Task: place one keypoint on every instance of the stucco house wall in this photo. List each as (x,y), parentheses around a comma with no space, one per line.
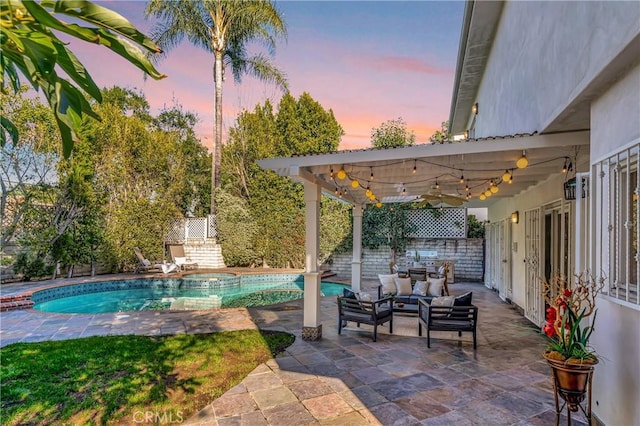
(615,123)
(543,57)
(544,193)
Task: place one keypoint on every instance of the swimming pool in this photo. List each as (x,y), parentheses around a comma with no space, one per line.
(197,291)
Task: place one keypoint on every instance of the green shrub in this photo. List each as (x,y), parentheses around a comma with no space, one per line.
(32,265)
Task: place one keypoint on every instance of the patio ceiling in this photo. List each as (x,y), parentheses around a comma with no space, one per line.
(479,161)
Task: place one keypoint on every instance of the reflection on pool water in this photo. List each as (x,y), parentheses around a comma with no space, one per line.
(197,291)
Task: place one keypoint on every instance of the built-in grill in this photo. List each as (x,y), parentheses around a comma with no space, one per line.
(429,259)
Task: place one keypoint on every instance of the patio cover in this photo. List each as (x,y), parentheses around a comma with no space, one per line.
(478,161)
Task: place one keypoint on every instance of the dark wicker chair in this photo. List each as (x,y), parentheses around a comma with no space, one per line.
(447,318)
(361,312)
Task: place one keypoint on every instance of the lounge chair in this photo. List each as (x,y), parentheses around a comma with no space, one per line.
(176,251)
(145,265)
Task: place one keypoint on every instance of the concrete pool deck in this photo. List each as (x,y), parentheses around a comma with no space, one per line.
(348,379)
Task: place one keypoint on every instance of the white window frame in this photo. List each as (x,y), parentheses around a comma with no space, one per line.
(613,255)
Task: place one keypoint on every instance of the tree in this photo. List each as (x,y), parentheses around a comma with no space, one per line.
(275,203)
(30,47)
(442,135)
(475,228)
(223,28)
(388,225)
(392,133)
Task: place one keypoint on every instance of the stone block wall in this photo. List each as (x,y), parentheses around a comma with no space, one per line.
(468,253)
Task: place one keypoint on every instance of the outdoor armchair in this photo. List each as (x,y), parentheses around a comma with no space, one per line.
(360,311)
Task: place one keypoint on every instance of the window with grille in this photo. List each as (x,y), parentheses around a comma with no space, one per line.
(616,255)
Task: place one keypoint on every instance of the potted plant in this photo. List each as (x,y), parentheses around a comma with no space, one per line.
(416,259)
(569,354)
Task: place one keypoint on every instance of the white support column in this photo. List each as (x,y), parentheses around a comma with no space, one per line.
(356,263)
(312,327)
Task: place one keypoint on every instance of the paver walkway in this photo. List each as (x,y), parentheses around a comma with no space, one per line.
(348,379)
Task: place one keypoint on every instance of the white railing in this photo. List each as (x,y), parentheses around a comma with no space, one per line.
(192,228)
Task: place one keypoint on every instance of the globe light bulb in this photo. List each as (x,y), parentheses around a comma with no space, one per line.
(355,184)
(482,197)
(506,177)
(494,189)
(341,174)
(378,204)
(522,161)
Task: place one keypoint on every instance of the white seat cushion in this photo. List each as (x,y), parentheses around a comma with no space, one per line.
(435,286)
(403,285)
(421,288)
(388,285)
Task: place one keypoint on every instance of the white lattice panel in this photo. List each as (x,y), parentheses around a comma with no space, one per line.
(176,234)
(436,223)
(196,228)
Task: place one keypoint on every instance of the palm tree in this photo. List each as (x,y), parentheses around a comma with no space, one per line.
(224,28)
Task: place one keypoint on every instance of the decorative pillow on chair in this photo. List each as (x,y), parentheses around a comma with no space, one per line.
(420,288)
(348,293)
(388,285)
(403,285)
(436,286)
(364,297)
(442,301)
(463,299)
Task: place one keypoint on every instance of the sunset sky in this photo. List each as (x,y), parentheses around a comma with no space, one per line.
(367,61)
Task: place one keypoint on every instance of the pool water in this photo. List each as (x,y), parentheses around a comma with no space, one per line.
(183,296)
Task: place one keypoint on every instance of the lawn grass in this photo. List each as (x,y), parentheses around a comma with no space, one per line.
(120,379)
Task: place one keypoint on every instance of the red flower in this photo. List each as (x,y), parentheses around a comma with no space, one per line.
(551,314)
(549,331)
(567,293)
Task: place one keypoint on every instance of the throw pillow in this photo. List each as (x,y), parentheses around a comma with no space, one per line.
(463,299)
(442,301)
(420,288)
(388,285)
(364,297)
(436,286)
(403,285)
(348,293)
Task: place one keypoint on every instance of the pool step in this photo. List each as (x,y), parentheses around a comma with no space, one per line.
(328,273)
(12,303)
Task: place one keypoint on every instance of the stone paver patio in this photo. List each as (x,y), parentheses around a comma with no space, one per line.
(349,379)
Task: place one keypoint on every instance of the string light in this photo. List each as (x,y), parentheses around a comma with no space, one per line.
(378,204)
(414,167)
(466,188)
(506,177)
(404,190)
(482,197)
(371,177)
(522,161)
(487,193)
(495,189)
(461,178)
(437,186)
(355,184)
(341,174)
(368,192)
(331,174)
